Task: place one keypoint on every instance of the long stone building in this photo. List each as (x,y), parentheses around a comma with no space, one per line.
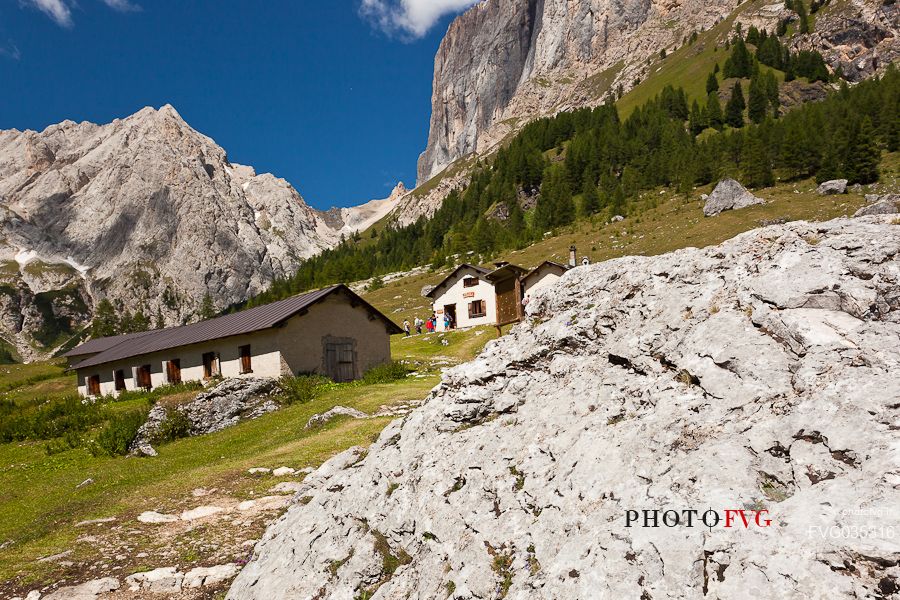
(332,332)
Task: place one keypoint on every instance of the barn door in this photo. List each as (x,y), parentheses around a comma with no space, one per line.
(340,360)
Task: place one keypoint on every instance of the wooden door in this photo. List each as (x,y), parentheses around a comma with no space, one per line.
(173,371)
(340,361)
(507,302)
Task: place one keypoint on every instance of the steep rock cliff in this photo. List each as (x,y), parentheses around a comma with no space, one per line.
(506,62)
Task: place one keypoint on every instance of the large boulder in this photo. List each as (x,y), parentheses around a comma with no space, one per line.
(229,402)
(221,406)
(830,188)
(888,204)
(757,377)
(729,195)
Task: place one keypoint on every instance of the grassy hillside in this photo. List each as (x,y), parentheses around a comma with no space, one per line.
(668,222)
(42,504)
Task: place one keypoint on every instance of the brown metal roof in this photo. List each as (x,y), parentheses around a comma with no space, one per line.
(547,262)
(481,270)
(248,321)
(102,344)
(505,272)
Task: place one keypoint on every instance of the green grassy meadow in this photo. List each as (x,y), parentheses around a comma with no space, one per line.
(42,503)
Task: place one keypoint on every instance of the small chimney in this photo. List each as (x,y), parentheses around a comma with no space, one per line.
(573,261)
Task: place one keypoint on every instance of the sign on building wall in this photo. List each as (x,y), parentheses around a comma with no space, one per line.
(469,295)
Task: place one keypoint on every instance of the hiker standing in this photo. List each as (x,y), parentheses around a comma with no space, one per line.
(419,322)
(406,327)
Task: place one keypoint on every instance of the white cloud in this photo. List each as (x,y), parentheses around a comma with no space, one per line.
(57,10)
(410,17)
(10,50)
(122,5)
(61,10)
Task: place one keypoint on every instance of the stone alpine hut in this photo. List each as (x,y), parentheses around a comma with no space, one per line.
(332,332)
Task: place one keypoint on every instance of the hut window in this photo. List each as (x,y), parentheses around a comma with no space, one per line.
(477,309)
(470,282)
(210,365)
(119,379)
(93,385)
(143,377)
(246,364)
(173,371)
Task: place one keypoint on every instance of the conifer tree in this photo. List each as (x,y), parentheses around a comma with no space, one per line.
(799,157)
(802,15)
(712,83)
(756,106)
(740,63)
(140,321)
(207,309)
(734,109)
(516,220)
(890,124)
(753,35)
(714,115)
(862,153)
(590,198)
(756,166)
(160,321)
(771,85)
(698,120)
(105,323)
(617,202)
(831,167)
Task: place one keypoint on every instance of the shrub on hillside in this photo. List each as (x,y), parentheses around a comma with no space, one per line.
(52,419)
(386,373)
(120,431)
(301,389)
(159,392)
(176,426)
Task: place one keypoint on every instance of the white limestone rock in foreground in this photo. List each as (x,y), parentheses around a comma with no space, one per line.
(758,374)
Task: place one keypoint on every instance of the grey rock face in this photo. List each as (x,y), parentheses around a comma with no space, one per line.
(729,195)
(759,374)
(229,402)
(506,62)
(835,186)
(226,404)
(322,418)
(86,591)
(888,204)
(149,213)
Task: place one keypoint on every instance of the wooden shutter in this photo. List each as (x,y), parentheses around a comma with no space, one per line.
(246,363)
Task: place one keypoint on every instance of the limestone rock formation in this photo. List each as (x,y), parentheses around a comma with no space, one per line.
(729,195)
(147,212)
(835,186)
(506,62)
(757,375)
(221,406)
(888,204)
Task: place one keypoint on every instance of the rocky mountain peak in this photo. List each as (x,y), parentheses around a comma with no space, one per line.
(152,213)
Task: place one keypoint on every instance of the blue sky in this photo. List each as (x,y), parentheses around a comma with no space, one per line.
(332,95)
